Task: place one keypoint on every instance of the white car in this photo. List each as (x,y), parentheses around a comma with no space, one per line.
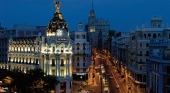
(117,86)
(110,76)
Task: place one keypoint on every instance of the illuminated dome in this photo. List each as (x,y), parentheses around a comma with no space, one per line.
(57,22)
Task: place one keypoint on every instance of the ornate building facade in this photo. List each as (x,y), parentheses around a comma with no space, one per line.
(52,53)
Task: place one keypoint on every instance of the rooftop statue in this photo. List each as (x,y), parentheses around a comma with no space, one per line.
(57,5)
(57,21)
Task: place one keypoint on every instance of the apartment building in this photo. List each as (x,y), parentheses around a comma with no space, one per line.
(140,47)
(81,54)
(158,65)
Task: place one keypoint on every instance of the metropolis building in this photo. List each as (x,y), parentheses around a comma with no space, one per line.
(52,53)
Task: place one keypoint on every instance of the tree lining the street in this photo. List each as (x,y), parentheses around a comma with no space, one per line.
(34,80)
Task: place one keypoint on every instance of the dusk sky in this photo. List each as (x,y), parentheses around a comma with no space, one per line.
(124,15)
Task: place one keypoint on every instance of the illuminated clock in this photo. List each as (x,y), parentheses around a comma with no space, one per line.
(59,32)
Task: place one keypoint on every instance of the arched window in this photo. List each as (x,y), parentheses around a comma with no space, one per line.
(144,35)
(78,44)
(62,49)
(154,35)
(133,38)
(149,35)
(53,48)
(62,62)
(159,35)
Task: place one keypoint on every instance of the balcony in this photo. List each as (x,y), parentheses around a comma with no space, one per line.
(146,54)
(140,62)
(158,42)
(139,54)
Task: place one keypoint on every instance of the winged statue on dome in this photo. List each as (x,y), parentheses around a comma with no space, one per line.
(57,5)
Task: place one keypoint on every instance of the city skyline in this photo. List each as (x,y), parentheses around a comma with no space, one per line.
(124,15)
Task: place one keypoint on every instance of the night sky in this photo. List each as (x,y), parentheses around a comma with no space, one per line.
(124,15)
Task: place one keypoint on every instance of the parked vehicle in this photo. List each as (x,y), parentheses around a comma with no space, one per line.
(117,86)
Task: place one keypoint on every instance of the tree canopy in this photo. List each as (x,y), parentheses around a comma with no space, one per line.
(34,80)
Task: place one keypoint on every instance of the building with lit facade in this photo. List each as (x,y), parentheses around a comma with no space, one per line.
(18,30)
(95,25)
(81,54)
(52,53)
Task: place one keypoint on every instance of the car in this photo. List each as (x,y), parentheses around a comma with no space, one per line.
(110,76)
(117,86)
(107,74)
(106,84)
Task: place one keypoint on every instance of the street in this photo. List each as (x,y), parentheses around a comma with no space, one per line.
(99,61)
(116,78)
(109,69)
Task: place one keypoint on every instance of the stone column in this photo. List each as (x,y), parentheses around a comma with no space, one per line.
(58,66)
(67,67)
(41,63)
(57,71)
(44,66)
(57,88)
(68,86)
(47,64)
(70,67)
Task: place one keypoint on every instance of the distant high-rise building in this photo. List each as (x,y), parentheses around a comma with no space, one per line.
(95,25)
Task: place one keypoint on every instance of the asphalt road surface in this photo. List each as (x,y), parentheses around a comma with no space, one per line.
(116,80)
